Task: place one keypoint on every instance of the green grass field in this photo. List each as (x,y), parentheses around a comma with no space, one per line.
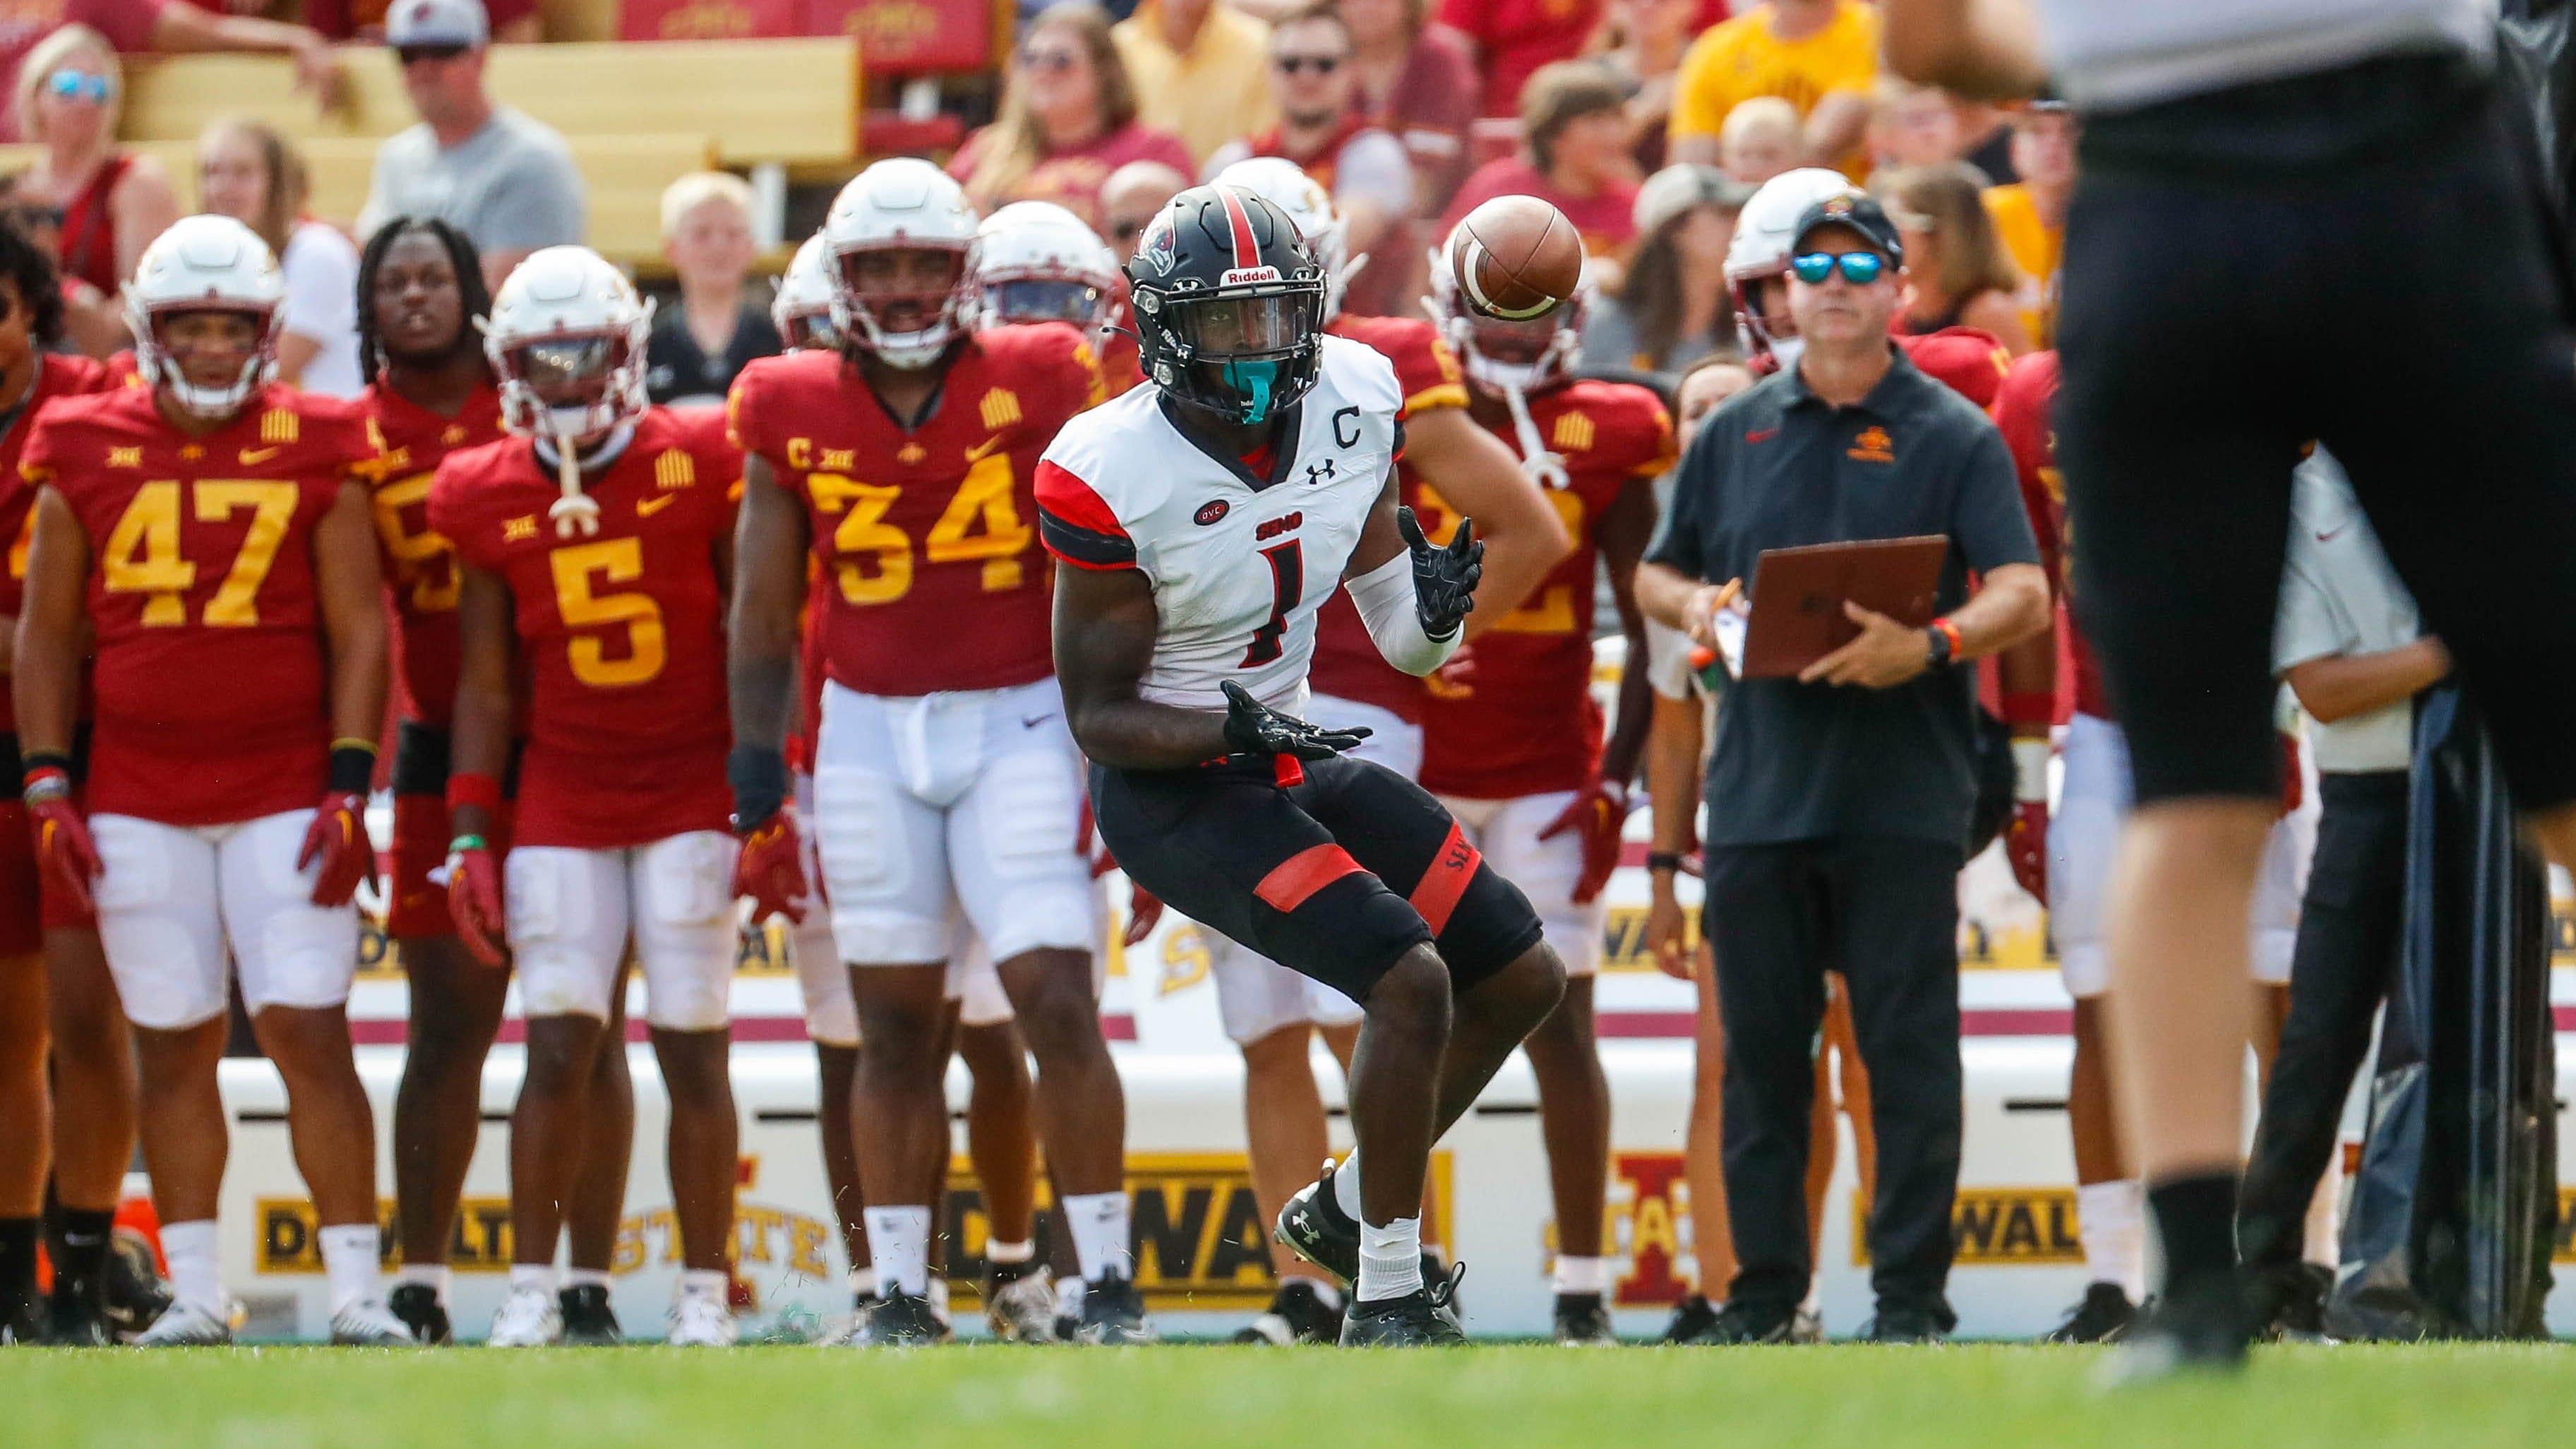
(1226,1398)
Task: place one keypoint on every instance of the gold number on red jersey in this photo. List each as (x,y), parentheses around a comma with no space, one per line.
(862,531)
(984,497)
(1551,609)
(142,554)
(272,505)
(423,561)
(26,541)
(616,560)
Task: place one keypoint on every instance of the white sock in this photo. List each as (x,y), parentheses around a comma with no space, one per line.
(1068,1295)
(436,1277)
(1390,1259)
(350,1258)
(2323,1239)
(585,1278)
(1582,1275)
(194,1273)
(705,1283)
(1099,1224)
(540,1276)
(1001,1253)
(1346,1186)
(939,1297)
(863,1282)
(899,1242)
(2110,1221)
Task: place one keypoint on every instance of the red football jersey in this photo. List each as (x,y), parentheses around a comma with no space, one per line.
(1521,720)
(928,538)
(57,375)
(2022,411)
(212,697)
(622,631)
(1347,664)
(420,568)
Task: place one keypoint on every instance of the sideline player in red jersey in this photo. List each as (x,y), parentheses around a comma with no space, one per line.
(210,532)
(945,779)
(1512,739)
(1449,463)
(420,292)
(83,1135)
(596,543)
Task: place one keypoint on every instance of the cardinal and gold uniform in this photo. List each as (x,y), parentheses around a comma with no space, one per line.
(622,819)
(212,735)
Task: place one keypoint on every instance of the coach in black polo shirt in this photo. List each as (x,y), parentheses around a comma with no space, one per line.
(1838,803)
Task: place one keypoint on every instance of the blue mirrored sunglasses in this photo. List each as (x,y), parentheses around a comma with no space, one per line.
(73,85)
(1859,268)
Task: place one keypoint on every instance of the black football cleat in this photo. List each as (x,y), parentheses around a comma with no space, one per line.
(2290,1303)
(417,1305)
(1313,1225)
(588,1321)
(79,1320)
(1738,1324)
(2103,1316)
(23,1318)
(1693,1319)
(1113,1313)
(1297,1314)
(1583,1320)
(1906,1323)
(133,1293)
(903,1320)
(2198,1326)
(1419,1319)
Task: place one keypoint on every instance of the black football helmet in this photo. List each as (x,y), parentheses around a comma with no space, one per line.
(1229,304)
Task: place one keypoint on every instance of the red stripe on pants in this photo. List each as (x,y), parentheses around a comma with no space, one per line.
(1452,866)
(1297,878)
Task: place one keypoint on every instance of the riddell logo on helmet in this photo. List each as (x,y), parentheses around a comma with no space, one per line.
(1251,274)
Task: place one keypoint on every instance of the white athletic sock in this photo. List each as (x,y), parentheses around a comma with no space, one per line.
(1582,1275)
(540,1276)
(2323,1240)
(1346,1186)
(899,1242)
(1069,1293)
(2110,1221)
(436,1277)
(195,1274)
(1002,1254)
(1390,1259)
(704,1283)
(1099,1224)
(939,1296)
(350,1254)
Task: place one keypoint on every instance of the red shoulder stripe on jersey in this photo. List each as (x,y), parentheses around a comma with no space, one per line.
(1247,251)
(1295,880)
(1077,524)
(1445,880)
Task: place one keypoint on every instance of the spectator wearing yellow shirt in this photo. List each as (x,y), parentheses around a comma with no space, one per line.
(2031,213)
(1202,71)
(1820,56)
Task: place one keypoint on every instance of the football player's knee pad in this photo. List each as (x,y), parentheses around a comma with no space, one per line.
(831,1013)
(684,935)
(568,917)
(1028,810)
(885,868)
(160,923)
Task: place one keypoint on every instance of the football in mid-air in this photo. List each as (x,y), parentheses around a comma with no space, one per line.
(1516,258)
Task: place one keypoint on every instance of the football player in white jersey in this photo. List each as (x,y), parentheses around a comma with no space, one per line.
(1203,521)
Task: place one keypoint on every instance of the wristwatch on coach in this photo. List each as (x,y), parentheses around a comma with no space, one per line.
(1943,638)
(1663,860)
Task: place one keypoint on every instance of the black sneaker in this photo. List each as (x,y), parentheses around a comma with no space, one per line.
(2197,1326)
(1113,1313)
(902,1320)
(417,1305)
(1583,1319)
(1693,1319)
(79,1319)
(2290,1303)
(2103,1316)
(1753,1323)
(133,1294)
(22,1318)
(1297,1314)
(1419,1319)
(1905,1323)
(588,1321)
(1313,1225)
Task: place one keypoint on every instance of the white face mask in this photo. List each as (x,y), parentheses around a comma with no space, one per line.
(1787,350)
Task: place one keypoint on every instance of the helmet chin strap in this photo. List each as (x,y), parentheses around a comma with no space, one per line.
(575,512)
(1544,468)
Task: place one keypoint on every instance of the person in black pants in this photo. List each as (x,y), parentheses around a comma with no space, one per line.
(1839,801)
(2350,646)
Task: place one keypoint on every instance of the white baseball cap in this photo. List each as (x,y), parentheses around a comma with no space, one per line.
(437,22)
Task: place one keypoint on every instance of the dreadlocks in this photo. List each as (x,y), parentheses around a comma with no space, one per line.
(31,267)
(460,254)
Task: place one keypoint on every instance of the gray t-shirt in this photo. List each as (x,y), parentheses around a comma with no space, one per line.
(2339,596)
(510,187)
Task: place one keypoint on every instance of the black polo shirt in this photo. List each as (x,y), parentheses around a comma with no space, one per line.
(1778,467)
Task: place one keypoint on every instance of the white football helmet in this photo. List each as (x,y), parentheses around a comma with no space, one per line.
(567,339)
(902,203)
(205,264)
(1285,185)
(802,308)
(1764,232)
(1039,263)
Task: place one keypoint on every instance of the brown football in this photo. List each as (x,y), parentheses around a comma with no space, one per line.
(1515,258)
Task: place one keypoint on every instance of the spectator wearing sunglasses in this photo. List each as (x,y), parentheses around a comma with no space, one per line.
(1359,162)
(1201,69)
(1130,198)
(1068,120)
(112,202)
(1839,799)
(247,171)
(133,26)
(505,180)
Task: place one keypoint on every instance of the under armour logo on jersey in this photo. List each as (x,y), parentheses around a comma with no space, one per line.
(1319,472)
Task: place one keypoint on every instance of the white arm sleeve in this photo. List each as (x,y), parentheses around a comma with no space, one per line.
(1385,598)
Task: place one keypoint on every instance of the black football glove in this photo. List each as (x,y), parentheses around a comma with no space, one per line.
(1444,579)
(1254,728)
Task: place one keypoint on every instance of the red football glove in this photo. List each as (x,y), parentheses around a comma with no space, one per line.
(338,838)
(1144,911)
(1600,811)
(474,900)
(2294,790)
(771,869)
(64,852)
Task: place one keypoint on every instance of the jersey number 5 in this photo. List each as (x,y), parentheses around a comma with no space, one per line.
(142,554)
(618,560)
(1287,586)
